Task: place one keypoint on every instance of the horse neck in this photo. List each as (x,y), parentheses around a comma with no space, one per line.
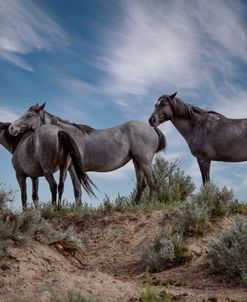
(8,141)
(47,118)
(184,126)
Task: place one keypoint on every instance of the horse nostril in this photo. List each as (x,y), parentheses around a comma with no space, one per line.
(152,121)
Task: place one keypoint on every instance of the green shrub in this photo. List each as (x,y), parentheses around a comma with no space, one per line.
(166,250)
(172,187)
(172,184)
(6,197)
(239,207)
(192,218)
(208,204)
(71,296)
(149,294)
(218,201)
(228,253)
(46,210)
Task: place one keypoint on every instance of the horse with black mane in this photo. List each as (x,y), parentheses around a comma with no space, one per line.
(210,135)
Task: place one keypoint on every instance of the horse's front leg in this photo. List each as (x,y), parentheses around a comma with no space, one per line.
(35,189)
(23,187)
(204,165)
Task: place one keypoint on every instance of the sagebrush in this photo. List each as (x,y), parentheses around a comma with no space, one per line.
(165,250)
(228,253)
(208,204)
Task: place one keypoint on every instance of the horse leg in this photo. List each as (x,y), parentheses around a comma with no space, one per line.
(23,187)
(53,186)
(35,196)
(62,177)
(76,186)
(151,181)
(204,165)
(140,178)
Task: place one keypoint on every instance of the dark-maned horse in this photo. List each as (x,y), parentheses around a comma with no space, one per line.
(210,135)
(41,153)
(108,149)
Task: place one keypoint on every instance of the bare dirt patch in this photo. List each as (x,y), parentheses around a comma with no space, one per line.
(111,269)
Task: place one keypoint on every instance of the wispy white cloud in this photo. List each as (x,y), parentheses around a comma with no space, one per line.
(7,115)
(234,103)
(26,28)
(173,44)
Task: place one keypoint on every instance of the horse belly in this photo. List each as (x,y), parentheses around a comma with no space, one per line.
(232,153)
(105,159)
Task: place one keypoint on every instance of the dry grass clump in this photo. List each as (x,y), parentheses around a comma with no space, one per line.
(29,225)
(228,253)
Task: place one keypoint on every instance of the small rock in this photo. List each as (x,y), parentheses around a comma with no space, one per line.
(4,267)
(196,251)
(212,299)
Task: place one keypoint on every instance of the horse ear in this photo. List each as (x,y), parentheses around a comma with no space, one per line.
(37,108)
(172,96)
(42,106)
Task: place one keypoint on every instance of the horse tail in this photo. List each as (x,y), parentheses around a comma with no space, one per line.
(70,145)
(162,140)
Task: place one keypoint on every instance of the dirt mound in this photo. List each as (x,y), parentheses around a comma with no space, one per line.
(111,269)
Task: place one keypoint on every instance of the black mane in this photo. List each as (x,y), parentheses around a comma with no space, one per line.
(183,110)
(83,128)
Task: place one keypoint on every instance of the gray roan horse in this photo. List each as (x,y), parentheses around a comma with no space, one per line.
(40,153)
(210,135)
(108,149)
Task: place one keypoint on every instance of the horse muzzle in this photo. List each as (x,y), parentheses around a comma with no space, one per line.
(14,130)
(153,121)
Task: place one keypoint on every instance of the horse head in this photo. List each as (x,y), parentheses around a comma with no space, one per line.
(31,119)
(163,110)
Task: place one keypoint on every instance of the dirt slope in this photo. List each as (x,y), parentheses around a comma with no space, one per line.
(112,270)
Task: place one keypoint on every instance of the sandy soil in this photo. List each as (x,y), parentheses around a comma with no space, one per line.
(111,268)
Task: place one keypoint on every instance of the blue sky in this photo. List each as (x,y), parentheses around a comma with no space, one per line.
(106,62)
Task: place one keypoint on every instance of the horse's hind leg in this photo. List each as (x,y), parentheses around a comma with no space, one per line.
(204,165)
(53,186)
(148,172)
(140,178)
(35,189)
(76,186)
(62,177)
